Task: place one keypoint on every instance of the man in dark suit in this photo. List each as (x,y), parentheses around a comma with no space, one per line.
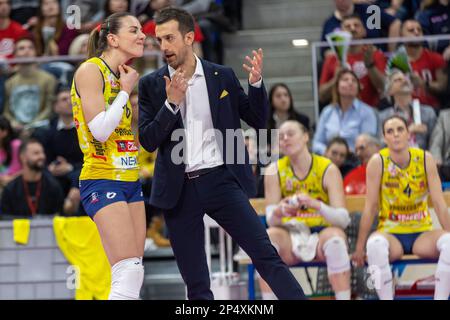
(208,171)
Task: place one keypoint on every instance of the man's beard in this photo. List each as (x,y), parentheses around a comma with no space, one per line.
(37,166)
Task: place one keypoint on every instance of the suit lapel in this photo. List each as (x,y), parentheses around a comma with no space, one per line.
(212,78)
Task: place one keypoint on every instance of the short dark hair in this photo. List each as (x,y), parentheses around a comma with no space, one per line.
(24,38)
(338,140)
(395,116)
(24,145)
(185,19)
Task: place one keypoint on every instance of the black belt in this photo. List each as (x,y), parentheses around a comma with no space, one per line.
(201,172)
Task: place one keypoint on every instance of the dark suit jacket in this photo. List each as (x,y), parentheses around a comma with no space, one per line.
(157,123)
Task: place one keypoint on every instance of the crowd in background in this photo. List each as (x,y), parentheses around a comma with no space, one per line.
(39,155)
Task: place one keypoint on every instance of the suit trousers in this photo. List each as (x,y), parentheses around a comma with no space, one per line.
(219,195)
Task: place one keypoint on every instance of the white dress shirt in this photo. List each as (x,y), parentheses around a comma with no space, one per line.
(202,149)
(201,144)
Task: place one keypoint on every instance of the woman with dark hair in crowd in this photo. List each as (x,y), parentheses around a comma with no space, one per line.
(282,107)
(9,152)
(52,36)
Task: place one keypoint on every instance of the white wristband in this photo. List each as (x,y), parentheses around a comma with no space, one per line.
(104,123)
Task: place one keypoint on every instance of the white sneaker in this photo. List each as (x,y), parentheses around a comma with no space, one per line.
(149,245)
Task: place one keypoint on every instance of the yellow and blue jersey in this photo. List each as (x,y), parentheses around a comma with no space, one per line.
(404,195)
(116,158)
(312,185)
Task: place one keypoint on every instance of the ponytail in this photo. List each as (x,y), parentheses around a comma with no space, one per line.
(93,41)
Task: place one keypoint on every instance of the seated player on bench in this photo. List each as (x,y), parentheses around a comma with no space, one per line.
(399,179)
(305,209)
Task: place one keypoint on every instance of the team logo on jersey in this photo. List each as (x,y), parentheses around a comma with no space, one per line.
(94,197)
(111,195)
(126,146)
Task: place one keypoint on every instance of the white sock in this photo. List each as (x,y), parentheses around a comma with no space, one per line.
(442,276)
(266,295)
(343,295)
(379,267)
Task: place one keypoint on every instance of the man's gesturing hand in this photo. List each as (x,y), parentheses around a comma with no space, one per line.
(255,71)
(176,88)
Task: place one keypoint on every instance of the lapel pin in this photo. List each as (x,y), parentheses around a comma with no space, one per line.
(215,73)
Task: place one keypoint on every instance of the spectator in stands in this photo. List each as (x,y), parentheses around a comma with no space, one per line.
(208,20)
(30,92)
(149,27)
(367,62)
(440,144)
(397,8)
(390,26)
(347,116)
(51,34)
(338,152)
(400,181)
(79,45)
(115,6)
(34,191)
(9,153)
(400,88)
(10,30)
(25,12)
(233,10)
(63,154)
(435,20)
(281,104)
(366,146)
(306,211)
(428,75)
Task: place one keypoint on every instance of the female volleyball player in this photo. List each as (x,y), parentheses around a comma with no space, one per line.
(306,190)
(399,179)
(110,191)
